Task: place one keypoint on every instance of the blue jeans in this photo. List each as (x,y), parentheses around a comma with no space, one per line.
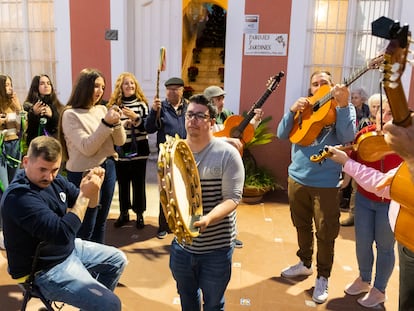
(94,223)
(372,225)
(195,273)
(72,281)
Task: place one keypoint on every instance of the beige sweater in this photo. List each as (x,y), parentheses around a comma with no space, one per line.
(89,142)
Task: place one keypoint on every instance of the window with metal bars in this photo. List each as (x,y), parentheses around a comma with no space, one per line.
(27,37)
(341,41)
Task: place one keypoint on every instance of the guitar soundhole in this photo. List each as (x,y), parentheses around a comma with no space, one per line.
(316,106)
(235,133)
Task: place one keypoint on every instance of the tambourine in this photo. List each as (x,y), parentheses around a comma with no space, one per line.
(180,189)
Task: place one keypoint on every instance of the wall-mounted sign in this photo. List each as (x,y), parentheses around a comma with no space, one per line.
(265,44)
(251,23)
(111,34)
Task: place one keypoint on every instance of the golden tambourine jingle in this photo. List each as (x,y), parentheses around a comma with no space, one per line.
(180,189)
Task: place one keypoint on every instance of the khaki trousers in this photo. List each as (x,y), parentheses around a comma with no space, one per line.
(315,210)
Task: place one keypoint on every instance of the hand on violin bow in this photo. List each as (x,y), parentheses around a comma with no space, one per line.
(338,155)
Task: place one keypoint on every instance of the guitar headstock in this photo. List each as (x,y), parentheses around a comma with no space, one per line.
(273,82)
(396,54)
(376,62)
(395,58)
(321,156)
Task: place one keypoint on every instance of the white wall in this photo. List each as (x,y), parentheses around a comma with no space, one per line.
(63,83)
(297,49)
(234,53)
(119,61)
(157,23)
(407,17)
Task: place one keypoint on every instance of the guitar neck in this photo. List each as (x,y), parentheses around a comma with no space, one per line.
(356,75)
(251,113)
(401,115)
(351,79)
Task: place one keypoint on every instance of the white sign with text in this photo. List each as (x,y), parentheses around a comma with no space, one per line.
(265,44)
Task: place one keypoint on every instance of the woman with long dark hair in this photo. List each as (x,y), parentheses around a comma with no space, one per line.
(88,132)
(43,108)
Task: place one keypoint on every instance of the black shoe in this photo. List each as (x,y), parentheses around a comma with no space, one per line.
(140,221)
(238,243)
(122,220)
(162,234)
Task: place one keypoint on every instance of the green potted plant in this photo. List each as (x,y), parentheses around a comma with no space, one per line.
(258,180)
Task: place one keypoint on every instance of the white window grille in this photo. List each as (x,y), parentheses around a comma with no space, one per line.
(27,37)
(341,41)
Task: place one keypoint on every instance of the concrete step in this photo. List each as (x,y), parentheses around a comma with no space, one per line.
(209,63)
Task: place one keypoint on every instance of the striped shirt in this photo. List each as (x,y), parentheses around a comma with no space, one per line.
(222,176)
(136,145)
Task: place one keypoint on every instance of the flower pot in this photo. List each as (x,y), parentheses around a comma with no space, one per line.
(252,195)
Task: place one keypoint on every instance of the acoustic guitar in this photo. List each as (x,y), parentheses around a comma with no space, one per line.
(395,58)
(307,124)
(240,127)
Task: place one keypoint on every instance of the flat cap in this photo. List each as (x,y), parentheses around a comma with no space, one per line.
(174,81)
(213,91)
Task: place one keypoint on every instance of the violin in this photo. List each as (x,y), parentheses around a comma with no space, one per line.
(369,143)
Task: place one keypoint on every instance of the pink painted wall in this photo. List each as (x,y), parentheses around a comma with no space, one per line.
(89,20)
(273,18)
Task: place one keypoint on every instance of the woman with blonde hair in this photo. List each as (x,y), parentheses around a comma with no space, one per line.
(133,155)
(88,132)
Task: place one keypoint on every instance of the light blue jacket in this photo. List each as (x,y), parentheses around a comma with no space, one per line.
(326,174)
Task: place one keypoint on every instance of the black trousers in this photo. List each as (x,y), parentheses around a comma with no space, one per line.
(132,173)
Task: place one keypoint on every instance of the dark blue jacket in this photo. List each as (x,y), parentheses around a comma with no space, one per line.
(32,215)
(172,122)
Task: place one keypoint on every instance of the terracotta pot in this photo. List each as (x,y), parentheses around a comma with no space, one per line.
(253,195)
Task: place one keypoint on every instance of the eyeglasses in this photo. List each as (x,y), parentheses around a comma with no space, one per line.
(198,116)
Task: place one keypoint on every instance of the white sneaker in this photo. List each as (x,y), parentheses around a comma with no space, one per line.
(320,293)
(297,270)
